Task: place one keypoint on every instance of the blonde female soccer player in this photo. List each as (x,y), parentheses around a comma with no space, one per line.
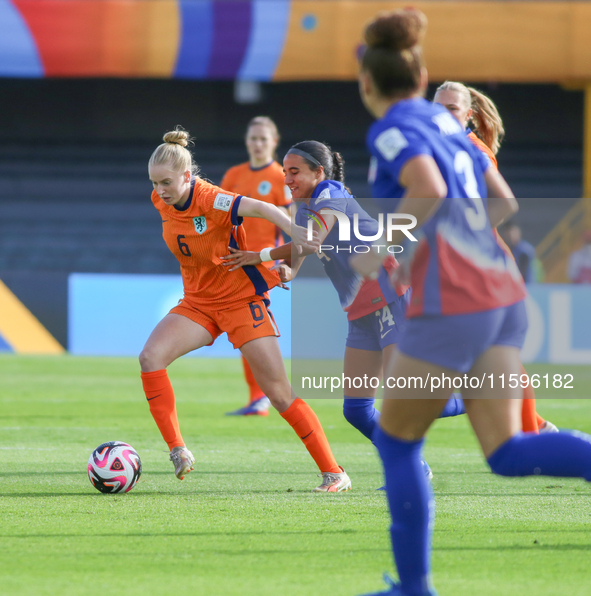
(199,222)
(470,106)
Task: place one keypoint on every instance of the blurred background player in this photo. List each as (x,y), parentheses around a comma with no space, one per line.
(523,252)
(199,222)
(579,262)
(467,312)
(261,177)
(470,106)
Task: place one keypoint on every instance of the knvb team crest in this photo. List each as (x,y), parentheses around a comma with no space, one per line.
(200,224)
(264,188)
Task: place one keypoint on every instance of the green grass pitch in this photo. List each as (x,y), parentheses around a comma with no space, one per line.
(244,523)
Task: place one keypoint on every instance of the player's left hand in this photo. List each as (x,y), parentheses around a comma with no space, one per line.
(240,258)
(366,264)
(284,272)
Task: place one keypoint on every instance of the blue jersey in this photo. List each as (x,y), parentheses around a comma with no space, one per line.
(457,266)
(358,297)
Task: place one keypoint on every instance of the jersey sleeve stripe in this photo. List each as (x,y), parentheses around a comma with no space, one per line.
(236,219)
(258,281)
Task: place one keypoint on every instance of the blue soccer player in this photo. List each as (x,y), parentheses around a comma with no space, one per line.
(467,313)
(375,308)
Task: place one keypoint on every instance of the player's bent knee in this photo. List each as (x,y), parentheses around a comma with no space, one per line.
(280,402)
(149,361)
(505,461)
(358,410)
(353,412)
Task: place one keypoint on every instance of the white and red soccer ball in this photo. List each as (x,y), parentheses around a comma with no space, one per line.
(114,467)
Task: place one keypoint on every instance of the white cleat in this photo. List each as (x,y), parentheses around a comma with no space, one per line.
(333,483)
(183,461)
(548,427)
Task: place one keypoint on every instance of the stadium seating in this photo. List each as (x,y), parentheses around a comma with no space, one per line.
(87,209)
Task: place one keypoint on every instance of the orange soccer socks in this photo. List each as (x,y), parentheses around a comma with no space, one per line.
(160,398)
(304,421)
(529,418)
(529,422)
(255,392)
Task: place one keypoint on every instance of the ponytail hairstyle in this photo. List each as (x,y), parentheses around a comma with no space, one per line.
(173,152)
(331,161)
(393,54)
(485,118)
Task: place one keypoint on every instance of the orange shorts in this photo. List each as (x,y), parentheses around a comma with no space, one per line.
(243,323)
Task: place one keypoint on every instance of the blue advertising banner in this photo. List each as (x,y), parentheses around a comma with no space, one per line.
(113,315)
(559,323)
(559,329)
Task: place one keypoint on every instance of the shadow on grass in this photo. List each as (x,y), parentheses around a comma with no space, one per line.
(160,493)
(517,547)
(544,495)
(171,473)
(274,551)
(526,531)
(246,533)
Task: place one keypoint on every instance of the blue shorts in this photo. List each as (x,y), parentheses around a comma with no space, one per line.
(457,341)
(378,329)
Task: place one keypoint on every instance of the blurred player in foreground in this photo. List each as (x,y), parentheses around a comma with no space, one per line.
(261,177)
(469,105)
(467,313)
(200,221)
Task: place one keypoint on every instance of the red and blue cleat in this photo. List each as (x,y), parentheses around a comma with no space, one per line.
(258,407)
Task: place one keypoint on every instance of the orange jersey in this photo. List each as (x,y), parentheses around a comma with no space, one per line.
(480,144)
(198,235)
(502,243)
(265,184)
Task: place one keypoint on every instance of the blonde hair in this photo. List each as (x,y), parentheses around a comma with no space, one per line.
(173,152)
(485,117)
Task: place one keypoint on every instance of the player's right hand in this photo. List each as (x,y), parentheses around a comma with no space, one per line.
(284,271)
(299,236)
(240,258)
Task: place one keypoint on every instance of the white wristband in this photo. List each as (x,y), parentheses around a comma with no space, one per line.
(265,255)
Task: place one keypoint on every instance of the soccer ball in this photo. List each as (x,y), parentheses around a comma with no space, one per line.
(114,467)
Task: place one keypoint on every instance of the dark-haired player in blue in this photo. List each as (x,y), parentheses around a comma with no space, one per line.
(466,315)
(375,308)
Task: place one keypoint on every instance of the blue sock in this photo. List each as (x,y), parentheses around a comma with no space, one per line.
(453,407)
(361,413)
(556,454)
(412,508)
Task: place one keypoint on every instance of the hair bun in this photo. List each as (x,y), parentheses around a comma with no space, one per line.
(177,137)
(396,30)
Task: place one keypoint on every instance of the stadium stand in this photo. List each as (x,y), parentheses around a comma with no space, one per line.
(87,209)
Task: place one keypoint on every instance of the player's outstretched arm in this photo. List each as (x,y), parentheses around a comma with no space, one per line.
(252,208)
(241,258)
